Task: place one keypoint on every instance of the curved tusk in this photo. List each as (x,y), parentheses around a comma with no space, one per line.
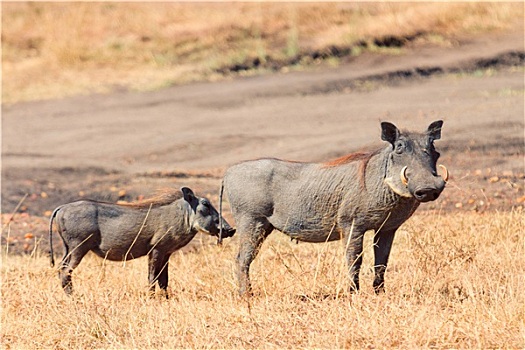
(403,176)
(445,172)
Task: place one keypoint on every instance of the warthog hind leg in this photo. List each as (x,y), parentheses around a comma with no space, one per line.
(69,263)
(252,235)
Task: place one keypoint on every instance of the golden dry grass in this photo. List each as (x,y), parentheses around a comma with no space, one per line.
(56,49)
(455,281)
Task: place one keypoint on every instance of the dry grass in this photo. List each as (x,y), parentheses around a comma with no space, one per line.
(56,49)
(455,281)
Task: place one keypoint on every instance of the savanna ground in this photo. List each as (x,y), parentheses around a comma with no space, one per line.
(101,104)
(455,280)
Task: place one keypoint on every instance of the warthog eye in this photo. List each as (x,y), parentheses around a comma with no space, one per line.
(400,146)
(204,207)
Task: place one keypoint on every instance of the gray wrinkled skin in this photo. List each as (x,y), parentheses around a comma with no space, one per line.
(320,202)
(124,232)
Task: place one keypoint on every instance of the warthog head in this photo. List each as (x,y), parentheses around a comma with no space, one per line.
(412,171)
(204,217)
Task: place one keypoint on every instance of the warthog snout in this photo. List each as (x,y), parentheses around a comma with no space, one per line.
(428,194)
(229,232)
(426,191)
(225,232)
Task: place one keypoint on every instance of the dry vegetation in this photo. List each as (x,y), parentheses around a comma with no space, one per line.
(455,281)
(56,49)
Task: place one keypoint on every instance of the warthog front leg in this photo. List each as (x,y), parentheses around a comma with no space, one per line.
(354,257)
(158,271)
(382,246)
(251,238)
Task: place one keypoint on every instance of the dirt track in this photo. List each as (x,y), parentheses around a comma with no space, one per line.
(126,145)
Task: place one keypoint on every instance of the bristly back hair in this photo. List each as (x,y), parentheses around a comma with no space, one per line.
(349,158)
(363,157)
(162,197)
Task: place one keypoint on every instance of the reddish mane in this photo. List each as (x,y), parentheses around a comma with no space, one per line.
(363,157)
(349,158)
(163,197)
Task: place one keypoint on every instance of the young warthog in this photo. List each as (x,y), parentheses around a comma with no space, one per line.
(321,202)
(156,227)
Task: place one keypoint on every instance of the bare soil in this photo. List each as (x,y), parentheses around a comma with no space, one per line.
(125,145)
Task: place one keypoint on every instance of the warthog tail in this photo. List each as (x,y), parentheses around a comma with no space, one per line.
(219,240)
(51,255)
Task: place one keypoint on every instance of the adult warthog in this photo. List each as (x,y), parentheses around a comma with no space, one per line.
(154,227)
(341,199)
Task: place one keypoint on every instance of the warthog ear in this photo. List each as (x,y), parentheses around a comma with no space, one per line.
(389,132)
(434,130)
(188,194)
